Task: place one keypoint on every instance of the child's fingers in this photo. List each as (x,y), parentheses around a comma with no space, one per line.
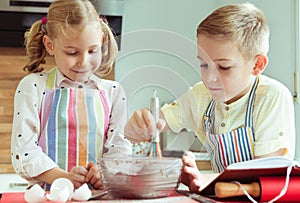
(192,172)
(79,170)
(188,159)
(161,124)
(89,165)
(93,173)
(98,185)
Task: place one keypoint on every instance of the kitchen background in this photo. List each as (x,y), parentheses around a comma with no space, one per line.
(158,51)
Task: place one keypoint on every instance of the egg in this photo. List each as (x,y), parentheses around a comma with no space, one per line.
(61,190)
(59,195)
(83,193)
(35,194)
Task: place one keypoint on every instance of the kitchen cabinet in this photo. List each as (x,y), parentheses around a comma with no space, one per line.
(12,61)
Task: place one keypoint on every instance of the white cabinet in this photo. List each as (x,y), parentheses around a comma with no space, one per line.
(12,183)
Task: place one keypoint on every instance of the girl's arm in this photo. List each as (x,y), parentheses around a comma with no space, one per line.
(27,157)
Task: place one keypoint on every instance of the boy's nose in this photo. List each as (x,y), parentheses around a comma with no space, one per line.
(212,74)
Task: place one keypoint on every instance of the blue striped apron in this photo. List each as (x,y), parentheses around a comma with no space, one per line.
(232,147)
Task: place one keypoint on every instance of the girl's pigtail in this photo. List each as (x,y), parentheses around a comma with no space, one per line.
(35,49)
(109,50)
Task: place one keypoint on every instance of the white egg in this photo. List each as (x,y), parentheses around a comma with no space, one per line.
(59,195)
(83,193)
(35,194)
(61,190)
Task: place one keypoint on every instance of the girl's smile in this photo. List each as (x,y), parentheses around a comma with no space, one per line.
(80,56)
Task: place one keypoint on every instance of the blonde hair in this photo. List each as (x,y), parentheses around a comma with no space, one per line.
(243,24)
(63,16)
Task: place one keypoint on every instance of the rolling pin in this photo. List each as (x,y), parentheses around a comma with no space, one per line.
(266,189)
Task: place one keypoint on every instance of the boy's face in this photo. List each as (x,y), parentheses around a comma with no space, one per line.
(77,57)
(224,71)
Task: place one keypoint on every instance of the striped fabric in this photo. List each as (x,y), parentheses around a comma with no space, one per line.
(74,123)
(234,146)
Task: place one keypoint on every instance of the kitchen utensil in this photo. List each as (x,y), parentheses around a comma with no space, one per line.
(154,108)
(140,177)
(266,189)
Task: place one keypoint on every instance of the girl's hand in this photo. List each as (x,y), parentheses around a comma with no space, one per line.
(78,175)
(93,176)
(190,175)
(142,125)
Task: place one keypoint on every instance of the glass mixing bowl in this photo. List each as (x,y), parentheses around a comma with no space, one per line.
(140,177)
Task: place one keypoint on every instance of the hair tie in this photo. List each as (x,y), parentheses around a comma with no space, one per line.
(44,20)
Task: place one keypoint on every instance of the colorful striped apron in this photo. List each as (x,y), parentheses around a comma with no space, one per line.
(234,146)
(74,124)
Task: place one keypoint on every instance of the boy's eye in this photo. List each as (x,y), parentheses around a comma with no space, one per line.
(203,65)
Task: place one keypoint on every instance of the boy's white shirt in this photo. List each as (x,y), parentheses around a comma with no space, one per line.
(273,115)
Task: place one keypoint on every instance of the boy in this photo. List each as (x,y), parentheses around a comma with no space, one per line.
(236,112)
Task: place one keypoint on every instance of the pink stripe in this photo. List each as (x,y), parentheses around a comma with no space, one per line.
(44,115)
(106,112)
(72,144)
(222,150)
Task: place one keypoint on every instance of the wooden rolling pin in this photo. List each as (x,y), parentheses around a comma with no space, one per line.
(266,189)
(225,189)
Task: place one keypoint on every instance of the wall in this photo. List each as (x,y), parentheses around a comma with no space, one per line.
(158,47)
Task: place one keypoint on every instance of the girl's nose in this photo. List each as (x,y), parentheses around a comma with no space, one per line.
(82,60)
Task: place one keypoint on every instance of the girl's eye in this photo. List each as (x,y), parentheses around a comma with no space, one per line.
(225,68)
(94,51)
(71,53)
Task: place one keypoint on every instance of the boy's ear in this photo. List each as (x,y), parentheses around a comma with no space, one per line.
(261,62)
(48,45)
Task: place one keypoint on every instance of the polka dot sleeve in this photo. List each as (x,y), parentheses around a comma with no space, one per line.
(116,143)
(27,157)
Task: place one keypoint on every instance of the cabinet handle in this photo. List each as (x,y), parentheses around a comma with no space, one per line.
(18,185)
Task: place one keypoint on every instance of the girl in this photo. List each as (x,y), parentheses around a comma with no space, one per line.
(68,117)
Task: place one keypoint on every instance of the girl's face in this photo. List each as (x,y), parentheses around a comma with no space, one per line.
(224,71)
(77,57)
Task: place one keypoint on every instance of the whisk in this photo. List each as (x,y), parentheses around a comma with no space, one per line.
(154,109)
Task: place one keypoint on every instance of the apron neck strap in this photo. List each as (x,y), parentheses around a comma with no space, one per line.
(51,79)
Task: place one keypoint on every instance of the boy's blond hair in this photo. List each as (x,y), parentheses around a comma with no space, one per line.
(243,24)
(68,17)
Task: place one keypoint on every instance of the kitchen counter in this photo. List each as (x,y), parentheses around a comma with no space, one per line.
(174,198)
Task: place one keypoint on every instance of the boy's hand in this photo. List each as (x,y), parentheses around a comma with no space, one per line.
(93,176)
(190,175)
(142,125)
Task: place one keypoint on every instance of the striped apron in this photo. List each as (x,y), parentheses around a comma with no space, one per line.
(234,146)
(74,124)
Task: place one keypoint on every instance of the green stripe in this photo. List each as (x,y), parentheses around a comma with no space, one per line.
(51,79)
(62,128)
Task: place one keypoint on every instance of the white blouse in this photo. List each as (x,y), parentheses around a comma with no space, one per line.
(27,157)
